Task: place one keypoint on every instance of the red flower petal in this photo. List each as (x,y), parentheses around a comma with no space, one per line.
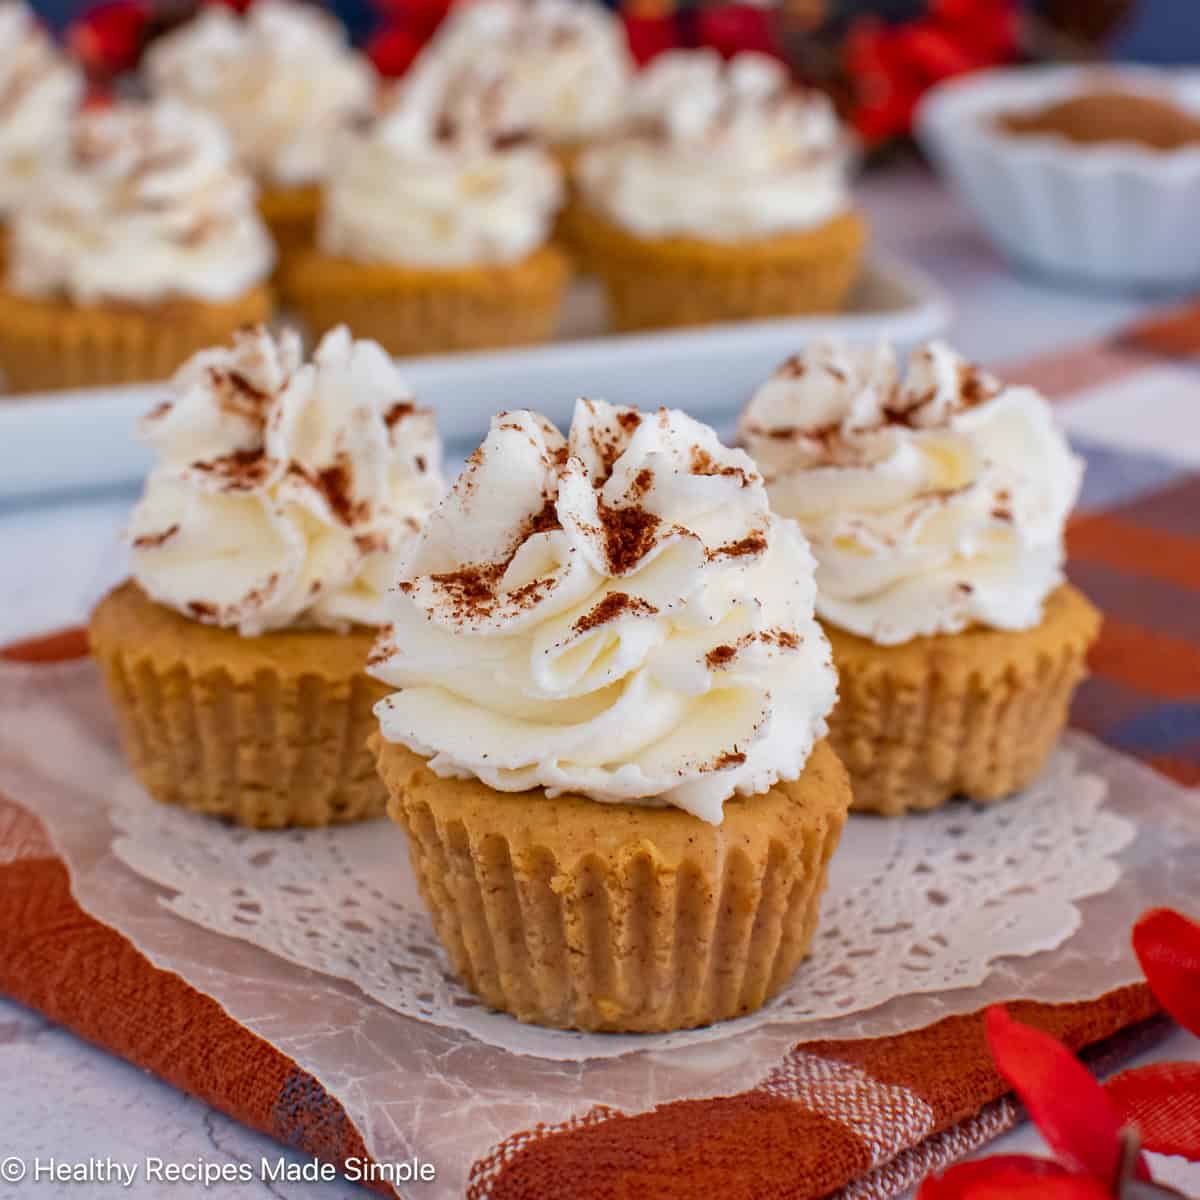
(1011,1177)
(866,45)
(421,16)
(886,87)
(958,10)
(1168,947)
(876,123)
(108,38)
(967,13)
(933,52)
(993,38)
(1078,1121)
(1163,1102)
(392,51)
(649,36)
(732,28)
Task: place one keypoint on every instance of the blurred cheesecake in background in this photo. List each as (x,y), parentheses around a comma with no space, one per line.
(285,82)
(142,246)
(567,62)
(436,222)
(730,189)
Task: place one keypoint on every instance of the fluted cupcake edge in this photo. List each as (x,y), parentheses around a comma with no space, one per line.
(972,714)
(575,914)
(266,732)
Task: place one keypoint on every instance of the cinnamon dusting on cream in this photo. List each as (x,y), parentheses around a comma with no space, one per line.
(615,604)
(151,541)
(629,534)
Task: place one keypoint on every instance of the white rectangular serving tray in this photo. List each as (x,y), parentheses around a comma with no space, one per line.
(53,442)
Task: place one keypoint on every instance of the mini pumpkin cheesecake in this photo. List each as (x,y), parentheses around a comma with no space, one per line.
(726,199)
(935,506)
(141,246)
(568,65)
(606,741)
(285,83)
(435,229)
(285,497)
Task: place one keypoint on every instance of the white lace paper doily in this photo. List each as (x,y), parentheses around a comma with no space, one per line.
(926,904)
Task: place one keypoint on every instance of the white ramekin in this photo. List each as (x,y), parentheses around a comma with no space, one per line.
(1110,215)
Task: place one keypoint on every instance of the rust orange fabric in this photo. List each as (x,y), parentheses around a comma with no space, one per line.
(1135,549)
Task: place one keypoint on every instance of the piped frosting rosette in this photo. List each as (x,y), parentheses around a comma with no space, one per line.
(615,613)
(933,502)
(722,151)
(287,493)
(446,177)
(282,79)
(567,63)
(147,205)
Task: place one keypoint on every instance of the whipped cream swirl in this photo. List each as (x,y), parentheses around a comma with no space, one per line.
(445,178)
(147,206)
(932,504)
(39,91)
(720,150)
(616,613)
(566,62)
(287,493)
(282,79)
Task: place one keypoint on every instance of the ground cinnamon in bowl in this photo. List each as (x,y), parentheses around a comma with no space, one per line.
(1109,114)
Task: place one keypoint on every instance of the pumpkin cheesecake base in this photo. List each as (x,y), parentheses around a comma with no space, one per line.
(268,731)
(655,283)
(616,917)
(54,343)
(290,213)
(972,714)
(425,310)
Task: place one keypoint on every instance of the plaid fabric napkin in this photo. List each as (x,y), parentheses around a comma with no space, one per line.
(859,1120)
(1132,408)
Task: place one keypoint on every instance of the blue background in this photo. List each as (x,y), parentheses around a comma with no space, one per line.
(1161,31)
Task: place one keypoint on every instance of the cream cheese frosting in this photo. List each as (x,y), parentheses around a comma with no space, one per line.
(615,613)
(447,177)
(932,503)
(39,92)
(718,150)
(286,492)
(566,61)
(282,79)
(146,206)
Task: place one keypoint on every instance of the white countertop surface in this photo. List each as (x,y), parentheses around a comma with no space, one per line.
(58,557)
